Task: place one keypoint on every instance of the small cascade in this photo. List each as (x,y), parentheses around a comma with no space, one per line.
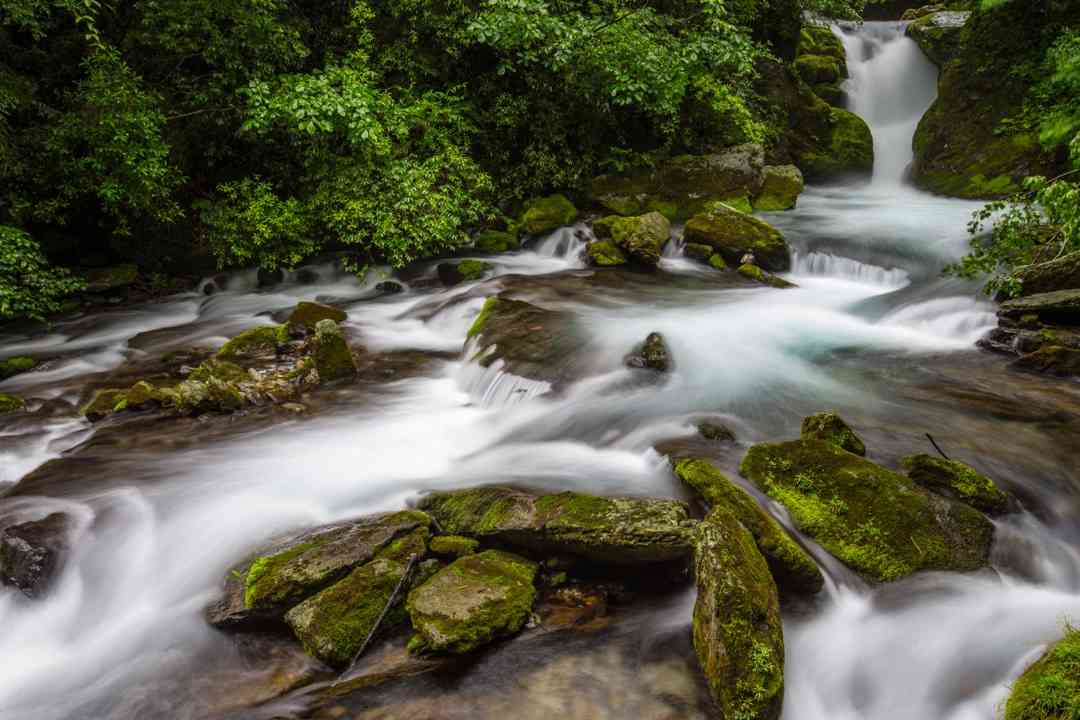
(566,242)
(828,265)
(494,387)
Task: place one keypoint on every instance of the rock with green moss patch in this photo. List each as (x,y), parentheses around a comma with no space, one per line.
(195,397)
(307,314)
(614,531)
(733,234)
(939,34)
(546,214)
(1050,688)
(264,340)
(794,571)
(453,546)
(333,358)
(831,428)
(652,354)
(698,251)
(717,263)
(958,481)
(12,366)
(781,189)
(1058,306)
(819,69)
(496,241)
(10,403)
(103,403)
(848,149)
(262,590)
(737,631)
(604,253)
(142,395)
(110,278)
(820,40)
(755,273)
(715,431)
(1061,273)
(877,522)
(220,369)
(465,271)
(642,237)
(1050,360)
(473,601)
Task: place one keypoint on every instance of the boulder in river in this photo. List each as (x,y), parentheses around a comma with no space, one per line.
(31,553)
(10,403)
(110,278)
(641,238)
(12,366)
(474,600)
(733,234)
(737,631)
(753,272)
(102,404)
(604,253)
(306,314)
(331,354)
(605,530)
(958,481)
(938,34)
(546,214)
(451,274)
(1050,687)
(794,571)
(781,188)
(876,521)
(831,428)
(258,341)
(496,241)
(652,354)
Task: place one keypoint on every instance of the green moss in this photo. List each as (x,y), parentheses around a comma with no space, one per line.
(496,241)
(717,262)
(307,314)
(454,546)
(485,314)
(815,69)
(849,148)
(641,238)
(220,369)
(14,365)
(1050,688)
(792,568)
(874,520)
(331,354)
(102,404)
(956,480)
(546,214)
(753,272)
(604,253)
(110,278)
(255,341)
(732,234)
(473,269)
(404,547)
(820,40)
(831,428)
(781,188)
(141,395)
(10,403)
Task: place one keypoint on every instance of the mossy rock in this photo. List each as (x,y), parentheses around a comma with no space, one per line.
(221,370)
(641,238)
(473,601)
(264,340)
(652,354)
(611,531)
(698,251)
(12,366)
(142,395)
(1062,273)
(1057,307)
(715,431)
(877,522)
(496,241)
(781,189)
(753,272)
(1050,360)
(833,94)
(737,630)
(195,397)
(732,234)
(794,571)
(282,576)
(110,278)
(1050,688)
(472,270)
(307,314)
(333,624)
(939,34)
(453,546)
(604,253)
(717,263)
(103,403)
(831,428)
(958,481)
(815,69)
(10,403)
(848,149)
(820,40)
(546,214)
(333,358)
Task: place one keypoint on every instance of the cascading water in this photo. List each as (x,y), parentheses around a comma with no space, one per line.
(871,330)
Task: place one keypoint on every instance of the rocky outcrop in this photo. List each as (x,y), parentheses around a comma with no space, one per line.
(958,481)
(1057,307)
(476,599)
(831,428)
(31,553)
(331,354)
(821,62)
(454,546)
(650,355)
(641,238)
(257,342)
(1043,330)
(733,234)
(546,214)
(1062,273)
(780,189)
(939,34)
(614,531)
(1050,688)
(110,278)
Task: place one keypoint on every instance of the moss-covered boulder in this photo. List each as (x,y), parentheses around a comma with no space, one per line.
(496,241)
(258,341)
(142,395)
(794,571)
(10,403)
(816,69)
(732,234)
(652,354)
(465,271)
(12,366)
(307,314)
(531,341)
(877,522)
(641,238)
(604,253)
(698,251)
(614,531)
(848,149)
(716,262)
(110,278)
(285,574)
(831,428)
(753,272)
(820,40)
(958,481)
(939,34)
(546,214)
(102,404)
(331,354)
(453,546)
(1050,688)
(737,631)
(781,189)
(473,601)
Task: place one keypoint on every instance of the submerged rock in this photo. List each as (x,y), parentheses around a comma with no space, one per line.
(10,403)
(737,630)
(307,314)
(958,481)
(31,553)
(733,234)
(651,355)
(532,342)
(877,522)
(546,214)
(12,366)
(753,272)
(331,354)
(1050,688)
(474,600)
(715,431)
(831,428)
(604,253)
(614,531)
(794,571)
(641,238)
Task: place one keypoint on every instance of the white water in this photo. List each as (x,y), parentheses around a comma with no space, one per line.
(122,635)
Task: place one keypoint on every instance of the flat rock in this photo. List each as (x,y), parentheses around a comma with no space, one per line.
(31,553)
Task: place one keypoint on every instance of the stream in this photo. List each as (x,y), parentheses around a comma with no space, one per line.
(163,508)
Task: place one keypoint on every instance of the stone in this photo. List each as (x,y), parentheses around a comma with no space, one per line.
(1049,689)
(641,238)
(331,354)
(847,150)
(31,553)
(755,273)
(1059,306)
(12,366)
(651,355)
(453,546)
(698,251)
(939,34)
(815,69)
(531,341)
(1062,273)
(473,601)
(781,188)
(604,253)
(307,314)
(546,214)
(102,404)
(715,431)
(259,341)
(958,481)
(110,278)
(831,428)
(732,234)
(465,271)
(820,40)
(10,403)
(496,241)
(1050,360)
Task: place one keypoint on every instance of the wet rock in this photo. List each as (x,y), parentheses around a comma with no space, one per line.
(698,251)
(453,546)
(102,404)
(821,41)
(958,481)
(916,13)
(1059,306)
(1060,274)
(279,578)
(331,354)
(269,278)
(12,366)
(476,599)
(256,342)
(615,531)
(641,238)
(451,274)
(604,253)
(733,234)
(1051,360)
(110,278)
(496,241)
(877,522)
(307,314)
(831,428)
(1050,688)
(389,287)
(10,403)
(737,631)
(650,355)
(716,262)
(848,148)
(753,272)
(781,188)
(546,214)
(819,69)
(938,34)
(715,431)
(31,553)
(794,571)
(141,396)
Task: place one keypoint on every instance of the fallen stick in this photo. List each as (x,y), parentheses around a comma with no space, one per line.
(942,452)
